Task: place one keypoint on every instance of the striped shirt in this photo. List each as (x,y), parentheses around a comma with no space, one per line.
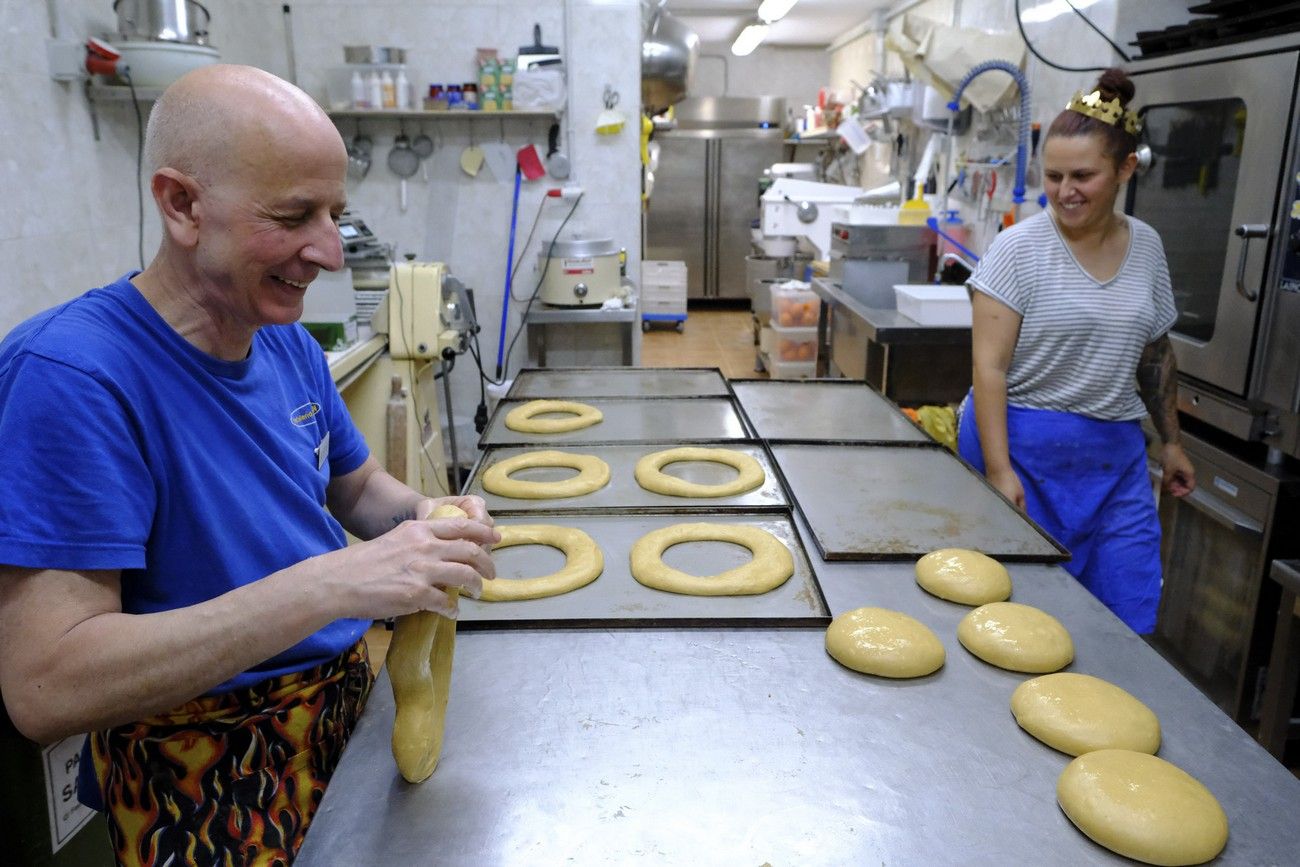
(1080,340)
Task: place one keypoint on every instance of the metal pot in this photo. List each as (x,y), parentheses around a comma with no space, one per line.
(579,273)
(162,21)
(668,54)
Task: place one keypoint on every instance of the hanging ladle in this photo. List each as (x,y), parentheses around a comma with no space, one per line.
(403,162)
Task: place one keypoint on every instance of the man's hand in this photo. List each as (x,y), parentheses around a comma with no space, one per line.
(1178,477)
(410,567)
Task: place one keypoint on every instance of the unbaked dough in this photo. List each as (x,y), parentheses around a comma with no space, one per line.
(1016,637)
(419,671)
(883,642)
(1079,713)
(593,474)
(1142,807)
(650,476)
(771,566)
(583,563)
(581,415)
(963,576)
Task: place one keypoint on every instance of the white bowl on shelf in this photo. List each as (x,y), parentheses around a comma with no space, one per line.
(158,64)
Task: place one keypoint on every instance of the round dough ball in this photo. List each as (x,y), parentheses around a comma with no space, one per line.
(1016,637)
(964,576)
(649,472)
(1142,807)
(1078,713)
(580,416)
(883,642)
(771,566)
(593,474)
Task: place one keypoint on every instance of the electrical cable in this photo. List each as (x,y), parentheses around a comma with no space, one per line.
(1098,31)
(536,219)
(476,350)
(125,74)
(1020,25)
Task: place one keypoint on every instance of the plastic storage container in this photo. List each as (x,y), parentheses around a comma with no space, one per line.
(663,291)
(794,307)
(793,344)
(930,304)
(791,369)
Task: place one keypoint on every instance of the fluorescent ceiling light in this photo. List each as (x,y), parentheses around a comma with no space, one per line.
(1049,10)
(748,39)
(775,10)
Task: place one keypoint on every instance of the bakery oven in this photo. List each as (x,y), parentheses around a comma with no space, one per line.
(1219,181)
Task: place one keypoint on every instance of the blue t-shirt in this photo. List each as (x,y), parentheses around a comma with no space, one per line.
(125,447)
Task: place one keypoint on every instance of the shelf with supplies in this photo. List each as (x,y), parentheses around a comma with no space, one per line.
(441,114)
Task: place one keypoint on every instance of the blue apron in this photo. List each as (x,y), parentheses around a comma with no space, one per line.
(1086,484)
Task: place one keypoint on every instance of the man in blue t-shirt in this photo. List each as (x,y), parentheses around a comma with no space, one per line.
(179,471)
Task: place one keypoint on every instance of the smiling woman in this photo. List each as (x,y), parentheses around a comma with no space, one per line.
(1072,309)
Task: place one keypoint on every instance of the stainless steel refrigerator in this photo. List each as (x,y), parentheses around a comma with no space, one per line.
(705,192)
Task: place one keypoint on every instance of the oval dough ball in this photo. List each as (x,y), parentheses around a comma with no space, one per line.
(771,566)
(1142,807)
(1016,637)
(650,476)
(593,474)
(963,576)
(581,415)
(883,642)
(1078,713)
(583,563)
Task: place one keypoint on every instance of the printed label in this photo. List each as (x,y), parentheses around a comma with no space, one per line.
(67,814)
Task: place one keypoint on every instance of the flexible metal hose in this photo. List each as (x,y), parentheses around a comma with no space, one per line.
(1022,144)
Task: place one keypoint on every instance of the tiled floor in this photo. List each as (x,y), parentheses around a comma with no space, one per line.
(712,338)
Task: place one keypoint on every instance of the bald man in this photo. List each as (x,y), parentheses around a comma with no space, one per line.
(174,584)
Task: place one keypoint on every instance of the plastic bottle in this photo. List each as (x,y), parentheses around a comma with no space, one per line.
(403,88)
(388,91)
(360,98)
(952,225)
(375,90)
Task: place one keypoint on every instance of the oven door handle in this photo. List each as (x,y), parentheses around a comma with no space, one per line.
(1214,508)
(1246,231)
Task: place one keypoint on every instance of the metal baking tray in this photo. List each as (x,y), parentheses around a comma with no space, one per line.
(581,382)
(656,420)
(617,599)
(895,502)
(836,409)
(623,493)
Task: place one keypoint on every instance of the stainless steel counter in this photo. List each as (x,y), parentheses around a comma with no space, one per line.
(910,363)
(746,746)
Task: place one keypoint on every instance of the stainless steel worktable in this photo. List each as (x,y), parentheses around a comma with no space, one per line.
(745,746)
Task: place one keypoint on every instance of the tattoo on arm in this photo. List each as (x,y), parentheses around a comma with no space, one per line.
(1157,376)
(408,515)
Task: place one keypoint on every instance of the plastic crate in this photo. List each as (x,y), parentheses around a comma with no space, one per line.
(791,369)
(661,276)
(794,307)
(793,344)
(930,304)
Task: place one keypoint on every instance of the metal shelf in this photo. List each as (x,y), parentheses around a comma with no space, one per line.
(449,114)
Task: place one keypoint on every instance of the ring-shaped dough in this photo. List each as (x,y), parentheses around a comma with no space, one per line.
(583,563)
(771,566)
(521,417)
(649,472)
(593,474)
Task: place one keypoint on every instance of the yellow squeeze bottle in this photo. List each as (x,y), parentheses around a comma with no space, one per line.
(915,211)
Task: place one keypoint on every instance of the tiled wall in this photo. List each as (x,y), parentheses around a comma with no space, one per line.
(69,220)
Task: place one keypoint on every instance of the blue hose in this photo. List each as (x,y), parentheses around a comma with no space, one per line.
(510,263)
(934,225)
(1022,146)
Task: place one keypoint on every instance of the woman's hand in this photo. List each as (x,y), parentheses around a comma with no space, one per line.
(1178,477)
(1008,484)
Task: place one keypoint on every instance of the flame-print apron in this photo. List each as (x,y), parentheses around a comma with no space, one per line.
(232,779)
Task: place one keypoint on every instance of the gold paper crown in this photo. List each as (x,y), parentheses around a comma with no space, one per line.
(1107,111)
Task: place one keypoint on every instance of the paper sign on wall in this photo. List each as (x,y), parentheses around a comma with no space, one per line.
(67,814)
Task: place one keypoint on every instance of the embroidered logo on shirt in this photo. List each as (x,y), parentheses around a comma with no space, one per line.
(304,416)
